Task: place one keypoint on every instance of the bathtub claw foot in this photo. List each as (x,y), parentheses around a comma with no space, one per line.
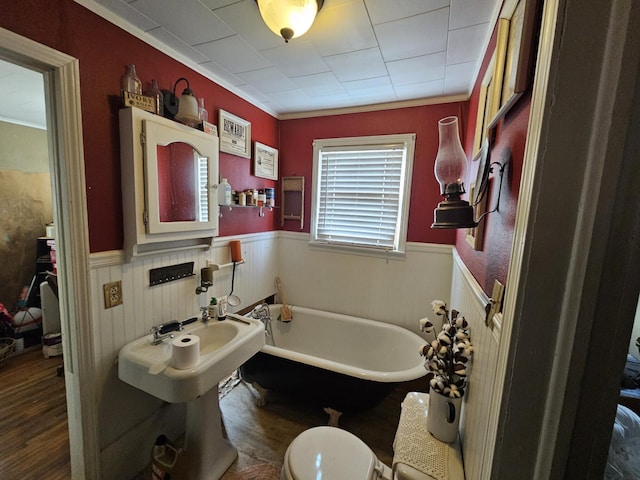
(334,416)
(261,401)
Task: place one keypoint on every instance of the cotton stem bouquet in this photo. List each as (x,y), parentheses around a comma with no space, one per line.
(448,354)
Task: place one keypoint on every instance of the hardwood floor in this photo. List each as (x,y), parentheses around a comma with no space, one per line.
(34,442)
(262,435)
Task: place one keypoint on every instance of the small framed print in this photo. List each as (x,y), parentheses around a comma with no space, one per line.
(235,135)
(515,50)
(265,161)
(488,104)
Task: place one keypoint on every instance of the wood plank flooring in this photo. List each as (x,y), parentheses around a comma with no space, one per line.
(262,435)
(34,441)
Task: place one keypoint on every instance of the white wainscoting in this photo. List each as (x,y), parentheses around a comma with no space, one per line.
(130,419)
(468,298)
(397,291)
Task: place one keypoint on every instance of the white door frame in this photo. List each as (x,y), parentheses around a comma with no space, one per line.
(64,126)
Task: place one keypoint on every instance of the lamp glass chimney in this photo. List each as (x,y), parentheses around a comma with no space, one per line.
(451,161)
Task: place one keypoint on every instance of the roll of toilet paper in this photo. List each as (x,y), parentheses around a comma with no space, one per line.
(185,351)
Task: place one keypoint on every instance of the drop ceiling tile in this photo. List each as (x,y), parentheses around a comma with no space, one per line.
(417,69)
(431,89)
(340,28)
(233,54)
(357,65)
(380,86)
(296,58)
(190,20)
(131,15)
(414,36)
(213,4)
(267,80)
(466,44)
(382,11)
(256,94)
(244,18)
(465,13)
(221,74)
(319,84)
(459,78)
(177,44)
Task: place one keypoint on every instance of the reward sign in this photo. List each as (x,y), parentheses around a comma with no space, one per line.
(139,101)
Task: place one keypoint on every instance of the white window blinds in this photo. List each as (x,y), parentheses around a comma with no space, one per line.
(203,189)
(362,191)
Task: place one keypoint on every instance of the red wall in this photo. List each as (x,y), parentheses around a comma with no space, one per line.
(492,261)
(103,51)
(297,156)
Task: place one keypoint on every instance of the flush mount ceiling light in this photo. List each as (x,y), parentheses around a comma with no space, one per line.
(289,18)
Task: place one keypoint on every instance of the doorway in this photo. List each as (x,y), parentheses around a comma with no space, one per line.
(32,392)
(61,85)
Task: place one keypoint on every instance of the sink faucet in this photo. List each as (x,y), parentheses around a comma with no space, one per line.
(205,315)
(162,331)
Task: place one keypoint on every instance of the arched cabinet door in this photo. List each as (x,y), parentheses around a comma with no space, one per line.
(169,183)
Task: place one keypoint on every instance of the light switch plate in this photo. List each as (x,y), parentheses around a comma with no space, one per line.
(496,302)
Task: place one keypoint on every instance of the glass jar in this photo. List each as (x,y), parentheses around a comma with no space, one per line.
(130,82)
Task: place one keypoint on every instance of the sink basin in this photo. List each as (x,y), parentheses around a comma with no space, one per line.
(224,346)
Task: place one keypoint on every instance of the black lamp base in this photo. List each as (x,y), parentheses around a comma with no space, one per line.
(454,214)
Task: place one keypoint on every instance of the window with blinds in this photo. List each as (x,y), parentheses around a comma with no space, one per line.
(203,188)
(361,192)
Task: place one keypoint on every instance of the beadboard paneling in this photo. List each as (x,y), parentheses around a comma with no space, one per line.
(468,298)
(129,417)
(397,291)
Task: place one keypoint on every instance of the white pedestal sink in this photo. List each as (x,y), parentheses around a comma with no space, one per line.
(224,346)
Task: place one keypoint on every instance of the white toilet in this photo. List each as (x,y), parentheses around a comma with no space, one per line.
(334,454)
(330,453)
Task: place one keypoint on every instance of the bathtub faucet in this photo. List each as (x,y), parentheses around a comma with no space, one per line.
(262,313)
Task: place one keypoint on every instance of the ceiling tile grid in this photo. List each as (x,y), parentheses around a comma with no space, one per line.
(358,53)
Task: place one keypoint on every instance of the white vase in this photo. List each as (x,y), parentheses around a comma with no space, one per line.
(443,416)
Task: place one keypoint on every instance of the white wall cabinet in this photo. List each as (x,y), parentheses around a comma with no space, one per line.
(169,184)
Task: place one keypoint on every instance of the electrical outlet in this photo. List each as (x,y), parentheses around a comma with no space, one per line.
(112,294)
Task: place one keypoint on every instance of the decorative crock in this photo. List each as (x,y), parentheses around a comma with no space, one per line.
(443,416)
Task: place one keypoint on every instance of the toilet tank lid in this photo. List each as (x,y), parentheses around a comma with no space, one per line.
(330,452)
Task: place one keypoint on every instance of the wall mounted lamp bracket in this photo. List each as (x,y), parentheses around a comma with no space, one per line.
(171,100)
(454,212)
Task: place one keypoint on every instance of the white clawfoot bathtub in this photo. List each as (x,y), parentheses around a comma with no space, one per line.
(339,362)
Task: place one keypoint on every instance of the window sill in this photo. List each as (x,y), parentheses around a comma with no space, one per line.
(358,250)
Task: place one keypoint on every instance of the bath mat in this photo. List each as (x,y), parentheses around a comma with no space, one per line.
(261,471)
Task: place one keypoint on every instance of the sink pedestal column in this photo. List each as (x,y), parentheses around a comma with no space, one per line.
(209,453)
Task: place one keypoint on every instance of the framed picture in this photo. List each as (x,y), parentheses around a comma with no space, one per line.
(488,106)
(475,235)
(265,161)
(514,50)
(482,176)
(479,198)
(235,135)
